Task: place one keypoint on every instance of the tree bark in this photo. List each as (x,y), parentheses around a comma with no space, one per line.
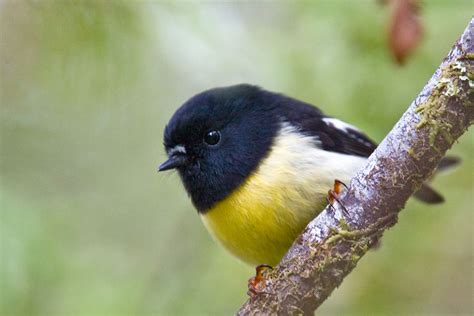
(332,244)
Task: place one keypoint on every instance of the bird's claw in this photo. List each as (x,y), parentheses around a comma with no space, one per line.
(257,284)
(333,195)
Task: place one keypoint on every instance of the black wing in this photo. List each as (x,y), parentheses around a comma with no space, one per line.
(338,136)
(345,138)
(335,135)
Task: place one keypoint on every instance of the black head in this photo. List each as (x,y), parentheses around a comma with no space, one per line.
(217,138)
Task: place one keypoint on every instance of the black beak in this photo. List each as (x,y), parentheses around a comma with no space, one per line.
(174,161)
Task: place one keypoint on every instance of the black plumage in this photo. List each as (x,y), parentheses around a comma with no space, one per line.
(248,119)
(311,121)
(247,125)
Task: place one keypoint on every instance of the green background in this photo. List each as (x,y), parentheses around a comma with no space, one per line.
(88,227)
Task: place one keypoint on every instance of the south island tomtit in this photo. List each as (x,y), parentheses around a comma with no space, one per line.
(258,165)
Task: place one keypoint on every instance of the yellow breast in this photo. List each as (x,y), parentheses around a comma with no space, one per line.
(259,221)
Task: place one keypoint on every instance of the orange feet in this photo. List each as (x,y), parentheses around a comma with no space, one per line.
(333,195)
(257,284)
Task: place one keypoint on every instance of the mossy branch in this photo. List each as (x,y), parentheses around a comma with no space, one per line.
(333,243)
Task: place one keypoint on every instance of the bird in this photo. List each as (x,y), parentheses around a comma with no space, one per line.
(257,165)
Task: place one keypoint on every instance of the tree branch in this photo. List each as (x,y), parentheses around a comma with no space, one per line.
(333,243)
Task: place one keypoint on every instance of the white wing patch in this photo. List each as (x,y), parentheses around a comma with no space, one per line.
(343,126)
(346,128)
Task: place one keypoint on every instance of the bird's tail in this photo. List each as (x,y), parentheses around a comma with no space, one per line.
(426,193)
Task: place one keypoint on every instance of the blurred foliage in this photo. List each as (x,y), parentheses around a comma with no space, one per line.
(87,227)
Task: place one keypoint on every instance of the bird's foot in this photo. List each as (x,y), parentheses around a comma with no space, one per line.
(257,284)
(333,195)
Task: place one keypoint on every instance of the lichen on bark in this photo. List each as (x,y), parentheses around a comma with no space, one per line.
(450,85)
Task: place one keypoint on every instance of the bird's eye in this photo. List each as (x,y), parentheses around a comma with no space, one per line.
(212,137)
